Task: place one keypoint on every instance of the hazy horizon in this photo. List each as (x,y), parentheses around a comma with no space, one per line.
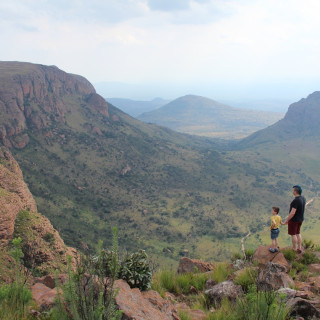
(221,49)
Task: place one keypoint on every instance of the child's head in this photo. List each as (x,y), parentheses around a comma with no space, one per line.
(275,210)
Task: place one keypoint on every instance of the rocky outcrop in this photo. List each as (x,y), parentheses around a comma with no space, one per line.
(43,248)
(225,289)
(191,265)
(15,195)
(263,256)
(147,305)
(33,97)
(273,277)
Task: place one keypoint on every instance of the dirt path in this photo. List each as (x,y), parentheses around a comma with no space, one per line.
(242,244)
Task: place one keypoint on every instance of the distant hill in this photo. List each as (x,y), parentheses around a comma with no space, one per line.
(202,116)
(134,108)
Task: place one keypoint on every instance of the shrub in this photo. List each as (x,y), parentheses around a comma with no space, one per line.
(266,305)
(236,256)
(299,266)
(49,237)
(88,294)
(167,280)
(289,254)
(136,271)
(249,254)
(184,315)
(308,258)
(308,244)
(221,272)
(15,298)
(246,278)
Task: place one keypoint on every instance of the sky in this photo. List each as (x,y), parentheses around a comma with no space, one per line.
(140,49)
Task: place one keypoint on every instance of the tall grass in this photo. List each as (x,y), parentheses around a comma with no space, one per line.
(221,272)
(15,298)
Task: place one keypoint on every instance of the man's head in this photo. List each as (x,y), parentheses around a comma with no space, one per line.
(275,210)
(297,190)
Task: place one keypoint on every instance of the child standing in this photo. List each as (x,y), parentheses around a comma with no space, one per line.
(275,231)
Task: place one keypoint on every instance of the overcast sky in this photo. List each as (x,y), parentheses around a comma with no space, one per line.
(226,49)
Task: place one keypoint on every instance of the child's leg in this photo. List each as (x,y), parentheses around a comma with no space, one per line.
(274,243)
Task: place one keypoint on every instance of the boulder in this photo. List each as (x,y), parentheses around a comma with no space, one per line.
(314,268)
(303,308)
(190,265)
(289,293)
(314,283)
(226,289)
(263,256)
(273,277)
(43,296)
(148,305)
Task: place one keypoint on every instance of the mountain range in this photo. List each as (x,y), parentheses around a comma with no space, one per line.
(90,166)
(134,107)
(206,117)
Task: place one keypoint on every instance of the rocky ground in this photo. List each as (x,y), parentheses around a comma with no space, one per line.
(273,273)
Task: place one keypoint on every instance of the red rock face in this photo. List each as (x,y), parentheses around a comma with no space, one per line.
(15,197)
(33,97)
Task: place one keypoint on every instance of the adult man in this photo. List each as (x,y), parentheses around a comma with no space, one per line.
(296,217)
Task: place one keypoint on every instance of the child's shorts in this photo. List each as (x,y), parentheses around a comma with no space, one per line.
(274,233)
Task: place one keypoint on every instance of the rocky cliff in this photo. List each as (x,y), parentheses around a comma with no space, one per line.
(43,248)
(33,97)
(301,121)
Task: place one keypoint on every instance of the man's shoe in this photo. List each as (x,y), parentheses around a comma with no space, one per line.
(299,251)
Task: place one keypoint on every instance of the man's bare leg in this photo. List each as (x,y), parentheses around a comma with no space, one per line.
(299,241)
(294,242)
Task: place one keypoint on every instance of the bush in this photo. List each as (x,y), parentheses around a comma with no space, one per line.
(266,305)
(308,244)
(299,266)
(309,258)
(236,256)
(289,254)
(88,294)
(49,237)
(246,278)
(249,254)
(136,271)
(15,298)
(184,315)
(221,272)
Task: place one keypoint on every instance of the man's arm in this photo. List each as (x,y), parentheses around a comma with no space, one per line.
(290,216)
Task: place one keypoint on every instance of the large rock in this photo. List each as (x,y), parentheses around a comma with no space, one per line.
(314,268)
(226,289)
(43,296)
(263,256)
(273,277)
(191,265)
(303,308)
(148,305)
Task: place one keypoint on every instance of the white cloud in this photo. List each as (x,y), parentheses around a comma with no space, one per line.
(202,43)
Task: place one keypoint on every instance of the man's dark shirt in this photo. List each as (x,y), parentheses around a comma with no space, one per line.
(299,204)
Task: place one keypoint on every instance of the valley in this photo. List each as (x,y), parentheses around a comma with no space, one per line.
(90,166)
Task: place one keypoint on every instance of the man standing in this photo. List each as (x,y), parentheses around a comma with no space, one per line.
(295,218)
